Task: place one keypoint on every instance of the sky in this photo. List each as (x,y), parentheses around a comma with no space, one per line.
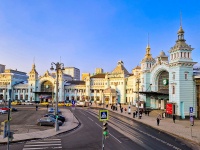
(89,34)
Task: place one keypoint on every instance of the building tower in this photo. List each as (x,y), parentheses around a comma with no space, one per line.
(146,64)
(181,85)
(32,82)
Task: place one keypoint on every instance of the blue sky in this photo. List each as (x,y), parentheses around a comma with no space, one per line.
(89,34)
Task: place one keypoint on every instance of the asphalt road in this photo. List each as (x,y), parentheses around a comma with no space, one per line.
(25,119)
(124,134)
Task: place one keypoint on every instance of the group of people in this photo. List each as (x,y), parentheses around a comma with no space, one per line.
(159,118)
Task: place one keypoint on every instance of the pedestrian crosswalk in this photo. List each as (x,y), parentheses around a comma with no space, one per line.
(47,144)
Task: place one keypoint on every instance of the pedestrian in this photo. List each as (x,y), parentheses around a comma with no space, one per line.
(140,114)
(125,109)
(158,119)
(121,109)
(148,112)
(136,112)
(47,106)
(133,114)
(129,110)
(36,107)
(174,118)
(145,112)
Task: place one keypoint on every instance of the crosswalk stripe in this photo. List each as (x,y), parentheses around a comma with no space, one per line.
(41,145)
(44,142)
(42,148)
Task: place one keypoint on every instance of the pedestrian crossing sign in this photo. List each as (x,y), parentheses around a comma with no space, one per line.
(103,115)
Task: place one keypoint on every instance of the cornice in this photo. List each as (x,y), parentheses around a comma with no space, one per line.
(185,64)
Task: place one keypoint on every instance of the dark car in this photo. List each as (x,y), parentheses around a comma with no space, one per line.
(52,110)
(47,121)
(60,117)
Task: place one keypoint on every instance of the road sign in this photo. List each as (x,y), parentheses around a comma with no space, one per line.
(73,102)
(191,109)
(103,115)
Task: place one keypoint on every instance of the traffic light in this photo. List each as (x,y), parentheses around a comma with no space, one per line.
(105,129)
(4,129)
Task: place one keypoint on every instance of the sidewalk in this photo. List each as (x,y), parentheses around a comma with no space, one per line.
(71,123)
(180,128)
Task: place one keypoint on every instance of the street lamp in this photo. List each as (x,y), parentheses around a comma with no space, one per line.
(138,83)
(59,66)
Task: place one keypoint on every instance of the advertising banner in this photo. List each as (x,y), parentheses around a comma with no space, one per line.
(169,107)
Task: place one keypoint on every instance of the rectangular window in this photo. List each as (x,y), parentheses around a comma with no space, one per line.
(173,89)
(173,76)
(186,76)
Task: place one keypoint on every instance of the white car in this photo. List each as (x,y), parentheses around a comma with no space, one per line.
(3,111)
(80,104)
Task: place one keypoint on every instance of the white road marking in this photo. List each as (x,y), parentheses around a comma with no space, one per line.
(115,138)
(41,145)
(98,125)
(90,118)
(42,148)
(44,142)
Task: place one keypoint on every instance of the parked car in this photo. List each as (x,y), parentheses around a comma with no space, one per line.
(44,103)
(6,109)
(61,104)
(3,111)
(16,103)
(48,121)
(81,103)
(68,103)
(60,117)
(52,110)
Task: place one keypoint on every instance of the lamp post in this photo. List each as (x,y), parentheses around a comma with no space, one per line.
(138,83)
(59,66)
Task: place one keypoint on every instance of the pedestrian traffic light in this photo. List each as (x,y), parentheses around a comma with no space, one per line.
(4,129)
(105,129)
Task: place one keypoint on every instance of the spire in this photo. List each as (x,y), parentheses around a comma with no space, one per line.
(181,31)
(148,48)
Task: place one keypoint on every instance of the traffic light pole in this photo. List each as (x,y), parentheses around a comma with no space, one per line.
(8,128)
(103,141)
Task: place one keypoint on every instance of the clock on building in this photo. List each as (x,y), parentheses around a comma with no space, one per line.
(165,81)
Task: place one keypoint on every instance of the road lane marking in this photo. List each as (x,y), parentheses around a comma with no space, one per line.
(115,138)
(98,125)
(90,118)
(82,113)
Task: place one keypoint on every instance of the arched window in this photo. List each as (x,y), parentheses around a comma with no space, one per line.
(188,55)
(163,88)
(46,86)
(181,54)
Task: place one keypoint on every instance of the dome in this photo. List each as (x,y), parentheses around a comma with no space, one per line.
(162,54)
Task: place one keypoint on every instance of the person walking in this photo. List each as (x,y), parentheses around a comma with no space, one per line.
(129,110)
(122,110)
(174,118)
(36,107)
(136,112)
(158,119)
